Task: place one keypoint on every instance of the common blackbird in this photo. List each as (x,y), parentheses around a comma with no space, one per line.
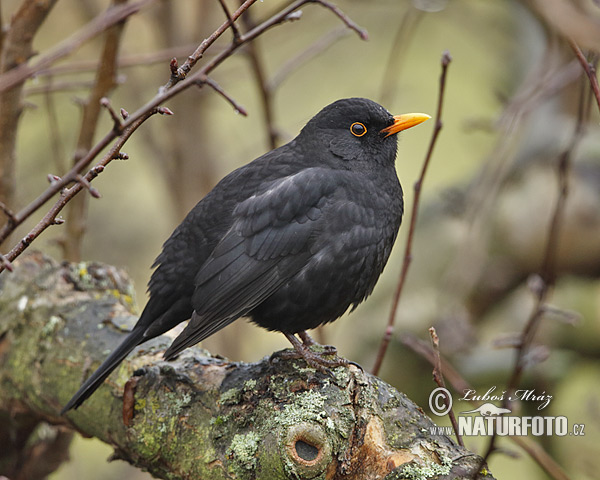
(291,240)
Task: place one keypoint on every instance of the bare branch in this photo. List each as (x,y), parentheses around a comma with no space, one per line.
(362,33)
(199,52)
(438,377)
(217,88)
(234,29)
(387,336)
(117,124)
(8,212)
(589,68)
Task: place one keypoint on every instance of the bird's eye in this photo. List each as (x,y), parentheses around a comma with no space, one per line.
(358,129)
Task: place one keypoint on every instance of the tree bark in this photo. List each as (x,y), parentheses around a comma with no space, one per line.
(199,416)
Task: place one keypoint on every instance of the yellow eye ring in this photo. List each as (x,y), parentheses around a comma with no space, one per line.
(358,129)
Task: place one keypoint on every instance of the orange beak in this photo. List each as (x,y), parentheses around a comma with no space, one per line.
(402,122)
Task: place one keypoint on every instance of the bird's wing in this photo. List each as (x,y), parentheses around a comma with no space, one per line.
(268,242)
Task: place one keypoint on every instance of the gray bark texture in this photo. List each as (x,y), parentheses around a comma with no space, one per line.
(199,417)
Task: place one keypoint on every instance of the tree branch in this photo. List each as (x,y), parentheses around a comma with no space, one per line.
(387,336)
(199,416)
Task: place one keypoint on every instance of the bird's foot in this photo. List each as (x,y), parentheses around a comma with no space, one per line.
(328,349)
(313,358)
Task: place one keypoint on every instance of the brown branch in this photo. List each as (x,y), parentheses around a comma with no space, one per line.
(387,336)
(438,377)
(8,212)
(217,88)
(199,52)
(354,425)
(234,29)
(589,68)
(362,33)
(117,124)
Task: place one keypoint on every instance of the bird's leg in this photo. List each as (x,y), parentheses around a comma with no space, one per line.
(314,359)
(309,341)
(306,338)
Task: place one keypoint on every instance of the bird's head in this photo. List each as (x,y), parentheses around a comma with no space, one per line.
(357,129)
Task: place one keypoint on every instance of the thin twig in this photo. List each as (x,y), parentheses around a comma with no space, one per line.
(93,191)
(234,29)
(217,88)
(446,59)
(438,377)
(199,52)
(6,263)
(117,124)
(8,212)
(362,33)
(589,68)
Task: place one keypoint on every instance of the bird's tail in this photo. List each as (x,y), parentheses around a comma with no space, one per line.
(95,380)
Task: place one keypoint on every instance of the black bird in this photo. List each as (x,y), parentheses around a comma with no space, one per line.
(291,240)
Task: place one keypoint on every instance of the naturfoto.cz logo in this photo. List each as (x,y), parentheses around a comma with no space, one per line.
(489,419)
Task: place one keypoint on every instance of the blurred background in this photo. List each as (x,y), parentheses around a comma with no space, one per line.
(510,112)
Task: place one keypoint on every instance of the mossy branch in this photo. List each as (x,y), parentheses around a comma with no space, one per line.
(199,416)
